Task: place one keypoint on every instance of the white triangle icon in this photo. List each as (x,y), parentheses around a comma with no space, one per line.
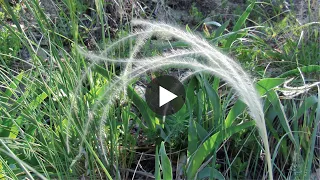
(165,96)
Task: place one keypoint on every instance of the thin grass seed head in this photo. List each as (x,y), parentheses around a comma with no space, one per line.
(204,58)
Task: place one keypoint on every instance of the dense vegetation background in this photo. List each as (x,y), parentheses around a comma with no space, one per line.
(64,113)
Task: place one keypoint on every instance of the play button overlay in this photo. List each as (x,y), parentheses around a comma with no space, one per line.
(165,95)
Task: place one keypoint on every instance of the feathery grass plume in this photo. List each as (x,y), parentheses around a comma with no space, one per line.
(201,56)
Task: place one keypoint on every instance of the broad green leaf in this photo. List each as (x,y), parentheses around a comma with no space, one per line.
(196,134)
(210,172)
(235,111)
(198,107)
(216,83)
(264,85)
(191,97)
(270,115)
(37,101)
(209,145)
(241,21)
(221,29)
(142,106)
(192,137)
(13,85)
(102,71)
(215,101)
(310,154)
(19,121)
(278,107)
(165,163)
(201,132)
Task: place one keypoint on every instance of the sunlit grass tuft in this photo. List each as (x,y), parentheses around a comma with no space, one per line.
(201,56)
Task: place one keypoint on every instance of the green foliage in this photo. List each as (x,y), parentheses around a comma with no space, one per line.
(58,122)
(10,43)
(195,13)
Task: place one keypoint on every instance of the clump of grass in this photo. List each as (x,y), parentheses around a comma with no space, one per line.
(50,116)
(201,56)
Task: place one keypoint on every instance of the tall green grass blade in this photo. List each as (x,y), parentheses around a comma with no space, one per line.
(136,99)
(157,164)
(215,102)
(235,111)
(310,153)
(13,85)
(304,69)
(201,132)
(165,163)
(105,73)
(278,107)
(190,92)
(308,103)
(32,106)
(221,29)
(7,96)
(199,107)
(271,114)
(192,137)
(143,108)
(13,16)
(241,21)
